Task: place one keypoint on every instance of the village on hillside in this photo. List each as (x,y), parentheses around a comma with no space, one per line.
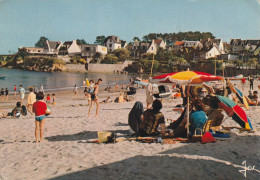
(227,58)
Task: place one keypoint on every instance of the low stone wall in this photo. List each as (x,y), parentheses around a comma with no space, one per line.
(108,67)
(75,68)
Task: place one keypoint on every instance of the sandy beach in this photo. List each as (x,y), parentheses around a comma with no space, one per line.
(66,153)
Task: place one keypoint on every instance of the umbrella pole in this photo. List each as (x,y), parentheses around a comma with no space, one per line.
(188,110)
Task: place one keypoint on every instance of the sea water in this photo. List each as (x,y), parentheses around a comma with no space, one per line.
(55,80)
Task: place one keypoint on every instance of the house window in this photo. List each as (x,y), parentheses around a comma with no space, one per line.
(152,48)
(110,40)
(94,48)
(110,45)
(87,48)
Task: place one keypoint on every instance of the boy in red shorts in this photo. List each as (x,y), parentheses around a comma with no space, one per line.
(39,108)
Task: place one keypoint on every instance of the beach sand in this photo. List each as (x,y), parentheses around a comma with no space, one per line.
(67,154)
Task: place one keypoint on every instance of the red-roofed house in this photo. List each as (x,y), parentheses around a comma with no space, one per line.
(178,45)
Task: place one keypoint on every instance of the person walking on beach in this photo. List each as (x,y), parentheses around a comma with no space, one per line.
(53,99)
(35,90)
(243,82)
(6,94)
(149,94)
(116,86)
(75,90)
(2,94)
(94,97)
(15,90)
(41,89)
(22,93)
(39,108)
(251,82)
(31,100)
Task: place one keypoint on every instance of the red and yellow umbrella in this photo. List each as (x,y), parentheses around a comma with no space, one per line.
(186,77)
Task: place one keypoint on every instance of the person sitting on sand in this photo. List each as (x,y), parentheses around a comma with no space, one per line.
(250,96)
(176,94)
(151,120)
(197,117)
(203,93)
(126,97)
(214,113)
(40,110)
(121,98)
(18,110)
(107,100)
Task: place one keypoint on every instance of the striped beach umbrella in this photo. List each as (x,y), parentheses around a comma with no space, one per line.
(239,94)
(234,111)
(186,77)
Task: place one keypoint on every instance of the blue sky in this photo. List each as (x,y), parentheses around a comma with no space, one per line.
(22,22)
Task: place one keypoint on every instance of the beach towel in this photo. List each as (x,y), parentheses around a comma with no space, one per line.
(134,117)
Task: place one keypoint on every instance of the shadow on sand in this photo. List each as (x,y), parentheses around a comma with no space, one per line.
(212,161)
(85,135)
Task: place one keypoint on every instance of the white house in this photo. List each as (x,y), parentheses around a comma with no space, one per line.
(191,44)
(140,48)
(212,53)
(113,42)
(160,43)
(52,47)
(33,50)
(70,48)
(89,50)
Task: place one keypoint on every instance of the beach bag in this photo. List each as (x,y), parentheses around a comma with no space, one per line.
(48,111)
(196,137)
(106,137)
(207,137)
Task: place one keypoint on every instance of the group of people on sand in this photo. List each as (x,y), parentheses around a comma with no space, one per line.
(202,107)
(147,123)
(36,104)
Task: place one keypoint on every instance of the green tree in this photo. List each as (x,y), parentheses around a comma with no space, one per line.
(253,61)
(110,59)
(96,58)
(41,42)
(136,39)
(22,53)
(81,41)
(100,40)
(122,54)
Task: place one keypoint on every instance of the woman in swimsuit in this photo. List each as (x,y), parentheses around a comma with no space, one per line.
(94,97)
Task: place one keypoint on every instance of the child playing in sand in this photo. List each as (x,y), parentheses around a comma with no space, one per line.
(53,99)
(40,109)
(94,97)
(48,99)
